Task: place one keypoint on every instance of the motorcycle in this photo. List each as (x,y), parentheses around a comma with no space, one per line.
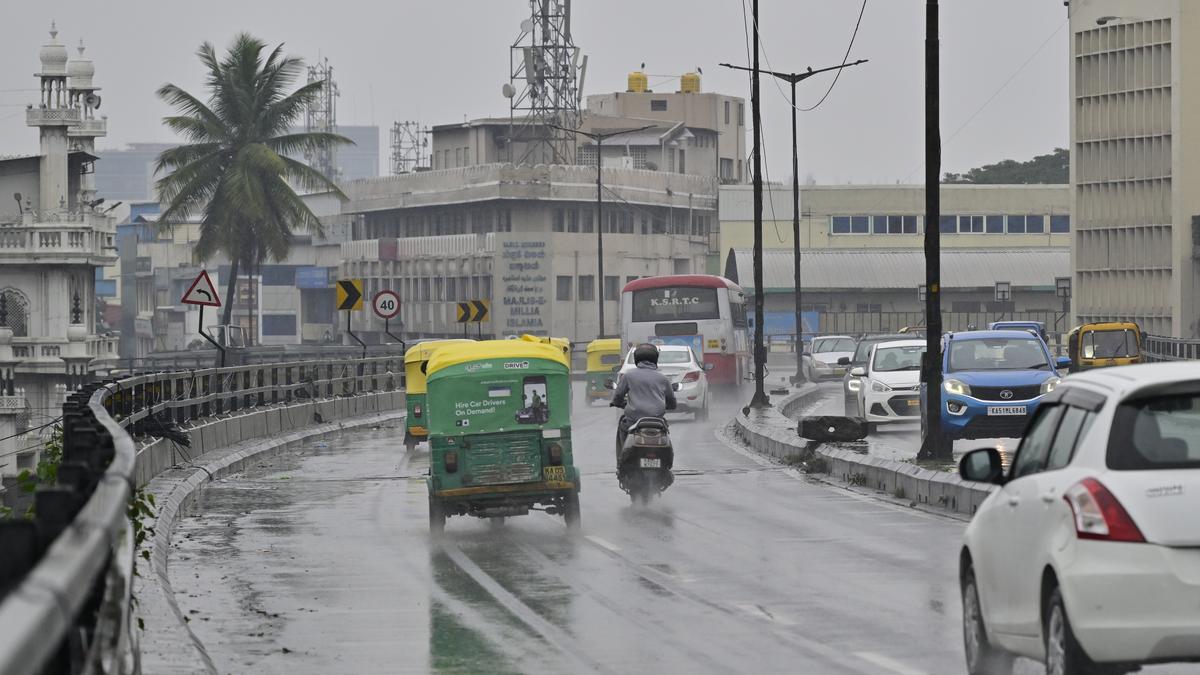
(644,469)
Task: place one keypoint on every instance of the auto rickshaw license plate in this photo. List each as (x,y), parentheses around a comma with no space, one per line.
(651,463)
(558,473)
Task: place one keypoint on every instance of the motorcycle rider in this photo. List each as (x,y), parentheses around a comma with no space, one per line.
(642,392)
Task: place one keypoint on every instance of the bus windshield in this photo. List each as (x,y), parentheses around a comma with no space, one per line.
(675,304)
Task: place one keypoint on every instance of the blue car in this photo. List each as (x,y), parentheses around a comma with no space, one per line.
(993,381)
(1039,326)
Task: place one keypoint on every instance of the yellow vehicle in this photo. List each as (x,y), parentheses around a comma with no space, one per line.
(1097,345)
(415,425)
(603,359)
(562,343)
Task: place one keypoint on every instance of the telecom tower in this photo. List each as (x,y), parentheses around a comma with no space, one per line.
(410,147)
(321,116)
(543,88)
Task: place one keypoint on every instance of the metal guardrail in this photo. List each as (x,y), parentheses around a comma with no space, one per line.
(1162,348)
(65,576)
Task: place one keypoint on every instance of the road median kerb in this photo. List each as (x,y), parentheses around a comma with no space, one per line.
(174,475)
(772,432)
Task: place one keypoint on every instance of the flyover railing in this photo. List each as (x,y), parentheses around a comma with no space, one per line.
(66,573)
(1162,348)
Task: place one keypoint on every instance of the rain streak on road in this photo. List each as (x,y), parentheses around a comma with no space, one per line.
(320,561)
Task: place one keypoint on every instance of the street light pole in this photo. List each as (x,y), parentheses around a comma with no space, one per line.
(759,400)
(599,137)
(792,79)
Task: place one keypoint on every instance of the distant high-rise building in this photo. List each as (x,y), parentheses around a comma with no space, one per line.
(1134,160)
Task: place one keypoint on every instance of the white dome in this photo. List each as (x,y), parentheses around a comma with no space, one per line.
(53,55)
(80,70)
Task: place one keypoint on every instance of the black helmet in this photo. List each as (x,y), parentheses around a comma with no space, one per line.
(645,352)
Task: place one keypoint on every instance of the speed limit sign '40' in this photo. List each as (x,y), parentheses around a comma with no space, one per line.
(386,304)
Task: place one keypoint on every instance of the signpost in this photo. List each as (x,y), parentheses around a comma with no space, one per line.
(349,298)
(473,311)
(386,305)
(203,294)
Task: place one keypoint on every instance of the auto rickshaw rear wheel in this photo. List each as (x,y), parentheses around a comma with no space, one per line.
(437,517)
(571,510)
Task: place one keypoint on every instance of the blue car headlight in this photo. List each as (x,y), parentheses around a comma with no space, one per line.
(1050,383)
(953,386)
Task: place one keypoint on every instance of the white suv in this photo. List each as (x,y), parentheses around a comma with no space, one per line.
(1089,553)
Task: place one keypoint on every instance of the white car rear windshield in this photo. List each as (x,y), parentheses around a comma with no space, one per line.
(821,346)
(1156,433)
(670,356)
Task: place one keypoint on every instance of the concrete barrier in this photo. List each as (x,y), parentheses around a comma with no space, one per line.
(175,475)
(772,432)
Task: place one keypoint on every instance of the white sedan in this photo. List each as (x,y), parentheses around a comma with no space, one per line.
(1088,556)
(687,374)
(890,382)
(827,350)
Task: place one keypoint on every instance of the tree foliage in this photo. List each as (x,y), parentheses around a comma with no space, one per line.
(233,168)
(1052,168)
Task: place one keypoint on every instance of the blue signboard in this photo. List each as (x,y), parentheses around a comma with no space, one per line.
(312,277)
(784,323)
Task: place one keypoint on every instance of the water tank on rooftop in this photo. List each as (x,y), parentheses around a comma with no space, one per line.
(689,83)
(638,82)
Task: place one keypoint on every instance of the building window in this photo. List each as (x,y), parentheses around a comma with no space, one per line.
(563,288)
(995,224)
(726,168)
(1035,224)
(626,223)
(658,104)
(726,112)
(741,114)
(1016,224)
(279,324)
(948,224)
(682,162)
(14,312)
(587,220)
(457,157)
(611,292)
(278,275)
(1060,224)
(630,278)
(452,288)
(910,224)
(572,220)
(840,225)
(558,220)
(859,224)
(970,224)
(26,460)
(586,155)
(895,225)
(587,287)
(866,308)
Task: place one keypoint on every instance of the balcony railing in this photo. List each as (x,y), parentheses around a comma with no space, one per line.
(89,128)
(49,116)
(65,239)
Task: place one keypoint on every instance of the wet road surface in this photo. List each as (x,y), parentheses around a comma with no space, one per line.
(320,561)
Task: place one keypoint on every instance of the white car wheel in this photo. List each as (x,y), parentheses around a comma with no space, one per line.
(982,657)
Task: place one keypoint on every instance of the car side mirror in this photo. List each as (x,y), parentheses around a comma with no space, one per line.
(858,371)
(844,361)
(1063,362)
(982,466)
(709,366)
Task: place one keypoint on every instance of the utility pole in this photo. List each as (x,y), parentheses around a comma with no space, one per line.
(934,444)
(760,399)
(792,79)
(598,137)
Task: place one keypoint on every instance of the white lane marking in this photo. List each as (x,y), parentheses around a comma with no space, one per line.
(759,612)
(604,544)
(888,664)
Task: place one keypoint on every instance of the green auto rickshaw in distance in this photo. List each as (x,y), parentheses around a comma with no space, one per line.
(603,360)
(499,423)
(415,426)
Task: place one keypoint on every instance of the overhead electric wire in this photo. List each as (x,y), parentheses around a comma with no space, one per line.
(845,59)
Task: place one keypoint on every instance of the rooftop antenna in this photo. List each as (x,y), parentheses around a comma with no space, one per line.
(543,78)
(320,115)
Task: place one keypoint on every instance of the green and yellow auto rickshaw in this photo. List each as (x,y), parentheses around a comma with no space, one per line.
(500,432)
(603,360)
(415,425)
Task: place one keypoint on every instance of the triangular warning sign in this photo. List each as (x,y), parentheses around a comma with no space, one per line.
(201,292)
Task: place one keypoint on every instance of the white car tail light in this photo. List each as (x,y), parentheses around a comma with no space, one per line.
(692,376)
(1098,514)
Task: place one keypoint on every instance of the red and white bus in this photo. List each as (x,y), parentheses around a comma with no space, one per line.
(703,311)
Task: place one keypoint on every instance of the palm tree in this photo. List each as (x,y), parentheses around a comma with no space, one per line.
(234,168)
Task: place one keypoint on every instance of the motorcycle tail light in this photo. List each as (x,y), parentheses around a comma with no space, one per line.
(555,451)
(1098,514)
(416,411)
(693,376)
(450,461)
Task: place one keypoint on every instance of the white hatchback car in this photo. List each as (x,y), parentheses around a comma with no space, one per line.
(1088,556)
(890,388)
(686,373)
(827,350)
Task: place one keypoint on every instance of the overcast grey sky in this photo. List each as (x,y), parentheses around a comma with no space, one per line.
(439,61)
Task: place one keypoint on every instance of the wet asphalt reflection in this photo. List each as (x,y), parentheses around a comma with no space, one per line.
(320,561)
